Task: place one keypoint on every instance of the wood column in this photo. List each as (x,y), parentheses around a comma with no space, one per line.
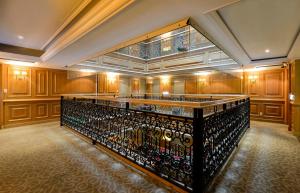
(295,90)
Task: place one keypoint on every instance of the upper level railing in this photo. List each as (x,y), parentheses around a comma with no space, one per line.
(186,150)
(181,40)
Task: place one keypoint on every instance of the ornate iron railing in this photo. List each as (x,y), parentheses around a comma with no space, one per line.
(187,151)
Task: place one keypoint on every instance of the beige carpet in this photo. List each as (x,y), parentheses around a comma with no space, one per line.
(267,161)
(45,158)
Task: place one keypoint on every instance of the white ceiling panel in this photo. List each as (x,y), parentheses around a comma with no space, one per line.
(35,20)
(264,24)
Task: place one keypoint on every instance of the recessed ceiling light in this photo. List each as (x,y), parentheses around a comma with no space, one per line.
(20,37)
(267,50)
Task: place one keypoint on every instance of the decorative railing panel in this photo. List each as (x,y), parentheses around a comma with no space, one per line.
(160,143)
(187,151)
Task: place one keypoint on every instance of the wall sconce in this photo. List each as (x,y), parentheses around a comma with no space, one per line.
(19,75)
(252,78)
(202,81)
(111,77)
(292,97)
(165,79)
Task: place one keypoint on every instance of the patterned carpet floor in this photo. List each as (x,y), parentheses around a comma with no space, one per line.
(267,161)
(45,158)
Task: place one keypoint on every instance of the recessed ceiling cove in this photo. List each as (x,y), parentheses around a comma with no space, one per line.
(264,28)
(181,50)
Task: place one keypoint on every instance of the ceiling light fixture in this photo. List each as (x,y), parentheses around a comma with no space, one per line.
(20,37)
(267,51)
(166,35)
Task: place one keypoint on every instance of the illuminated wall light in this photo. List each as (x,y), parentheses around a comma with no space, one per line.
(203,73)
(252,78)
(292,97)
(111,76)
(165,93)
(267,51)
(167,48)
(166,35)
(87,70)
(19,75)
(17,72)
(165,79)
(20,63)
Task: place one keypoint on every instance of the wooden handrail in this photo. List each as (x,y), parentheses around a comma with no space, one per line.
(189,104)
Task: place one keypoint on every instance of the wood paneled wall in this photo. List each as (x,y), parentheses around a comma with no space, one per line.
(166,84)
(30,95)
(268,92)
(35,96)
(294,105)
(108,83)
(220,83)
(135,85)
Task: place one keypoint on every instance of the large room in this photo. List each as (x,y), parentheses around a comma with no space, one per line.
(149,96)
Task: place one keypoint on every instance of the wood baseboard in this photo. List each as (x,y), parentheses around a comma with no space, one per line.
(28,123)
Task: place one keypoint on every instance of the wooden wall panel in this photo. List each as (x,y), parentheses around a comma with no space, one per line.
(273,110)
(108,84)
(58,82)
(113,85)
(18,85)
(253,86)
(269,92)
(254,109)
(268,110)
(149,87)
(274,84)
(33,97)
(190,86)
(81,85)
(41,82)
(135,85)
(41,111)
(55,109)
(15,113)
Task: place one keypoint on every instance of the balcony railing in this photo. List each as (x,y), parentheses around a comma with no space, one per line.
(187,151)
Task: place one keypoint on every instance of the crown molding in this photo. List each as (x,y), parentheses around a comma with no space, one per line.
(67,21)
(98,14)
(294,52)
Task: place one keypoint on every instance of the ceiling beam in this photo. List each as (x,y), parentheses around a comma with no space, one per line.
(20,50)
(101,12)
(83,4)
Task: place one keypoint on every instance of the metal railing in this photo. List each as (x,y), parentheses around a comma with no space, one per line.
(187,151)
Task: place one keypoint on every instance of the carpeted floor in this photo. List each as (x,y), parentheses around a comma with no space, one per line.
(45,158)
(267,161)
